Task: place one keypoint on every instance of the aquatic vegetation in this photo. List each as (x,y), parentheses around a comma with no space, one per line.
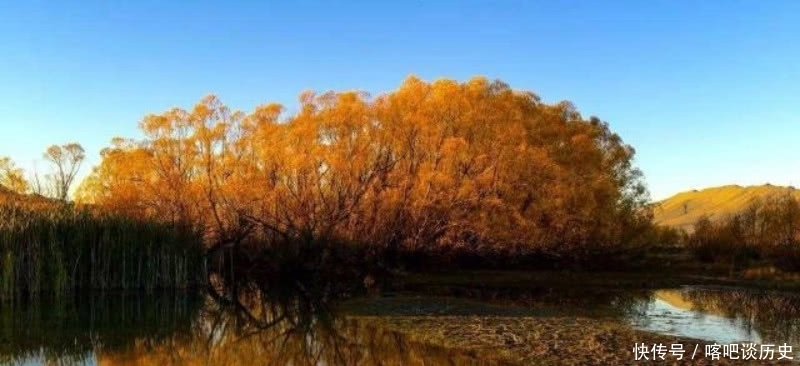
(56,250)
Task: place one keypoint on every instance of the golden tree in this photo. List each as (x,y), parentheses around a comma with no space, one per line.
(473,166)
(12,177)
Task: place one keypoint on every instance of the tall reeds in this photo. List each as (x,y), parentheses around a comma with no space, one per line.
(60,249)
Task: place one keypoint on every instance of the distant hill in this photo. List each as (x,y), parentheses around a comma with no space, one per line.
(684,209)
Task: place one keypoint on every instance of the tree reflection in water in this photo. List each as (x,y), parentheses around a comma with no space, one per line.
(775,316)
(71,331)
(288,322)
(249,324)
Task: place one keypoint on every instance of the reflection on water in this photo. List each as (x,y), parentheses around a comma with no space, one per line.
(724,315)
(70,331)
(716,314)
(295,324)
(251,325)
(664,316)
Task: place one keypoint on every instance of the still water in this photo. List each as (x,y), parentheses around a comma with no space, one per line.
(304,327)
(723,315)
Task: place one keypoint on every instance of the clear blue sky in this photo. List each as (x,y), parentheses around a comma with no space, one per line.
(706,91)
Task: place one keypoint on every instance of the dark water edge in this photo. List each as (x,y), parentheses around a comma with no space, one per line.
(196,328)
(72,328)
(307,324)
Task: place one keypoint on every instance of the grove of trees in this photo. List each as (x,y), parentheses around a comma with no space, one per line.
(64,162)
(442,166)
(768,228)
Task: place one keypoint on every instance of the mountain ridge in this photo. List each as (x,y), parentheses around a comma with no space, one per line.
(683,209)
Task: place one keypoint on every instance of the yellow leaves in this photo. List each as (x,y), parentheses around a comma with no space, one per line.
(12,177)
(266,114)
(153,126)
(426,158)
(207,107)
(454,147)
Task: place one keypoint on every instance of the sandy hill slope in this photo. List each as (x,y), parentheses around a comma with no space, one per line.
(683,209)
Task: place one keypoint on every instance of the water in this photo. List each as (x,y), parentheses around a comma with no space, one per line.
(715,314)
(280,327)
(307,326)
(666,318)
(723,315)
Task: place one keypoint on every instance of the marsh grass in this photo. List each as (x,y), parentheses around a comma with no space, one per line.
(56,250)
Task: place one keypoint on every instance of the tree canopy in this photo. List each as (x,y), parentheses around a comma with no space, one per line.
(443,164)
(12,177)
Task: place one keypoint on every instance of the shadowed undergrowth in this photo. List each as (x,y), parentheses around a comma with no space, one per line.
(62,249)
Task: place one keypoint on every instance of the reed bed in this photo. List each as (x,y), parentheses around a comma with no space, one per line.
(63,249)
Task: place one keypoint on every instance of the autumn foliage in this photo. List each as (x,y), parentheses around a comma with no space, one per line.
(767,228)
(441,166)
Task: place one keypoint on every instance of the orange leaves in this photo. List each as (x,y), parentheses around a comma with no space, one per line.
(427,163)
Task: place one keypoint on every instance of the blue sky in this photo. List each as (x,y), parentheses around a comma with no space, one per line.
(706,91)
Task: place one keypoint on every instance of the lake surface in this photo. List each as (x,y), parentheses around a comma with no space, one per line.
(723,315)
(309,328)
